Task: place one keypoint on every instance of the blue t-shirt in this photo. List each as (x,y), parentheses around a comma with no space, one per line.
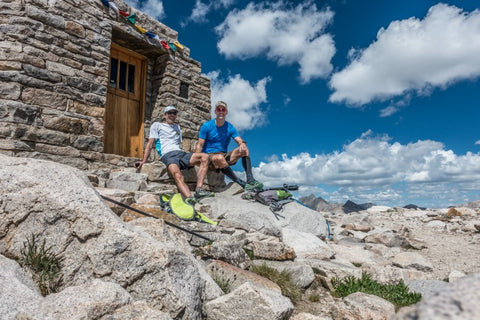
(217,138)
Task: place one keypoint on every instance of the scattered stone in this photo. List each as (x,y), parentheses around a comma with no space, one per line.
(455,275)
(302,275)
(250,302)
(385,236)
(235,277)
(306,245)
(272,250)
(362,306)
(412,260)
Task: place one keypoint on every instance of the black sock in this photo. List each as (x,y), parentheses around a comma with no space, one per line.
(247,165)
(229,173)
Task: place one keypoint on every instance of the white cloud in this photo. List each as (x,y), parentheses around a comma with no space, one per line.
(477,142)
(388,111)
(200,10)
(153,8)
(243,99)
(286,35)
(374,169)
(413,55)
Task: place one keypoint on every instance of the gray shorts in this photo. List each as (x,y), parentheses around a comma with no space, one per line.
(178,157)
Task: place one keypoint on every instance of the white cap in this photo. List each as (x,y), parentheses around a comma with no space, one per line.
(170,108)
(221,103)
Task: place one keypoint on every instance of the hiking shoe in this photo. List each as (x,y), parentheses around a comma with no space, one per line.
(201,193)
(253,185)
(191,201)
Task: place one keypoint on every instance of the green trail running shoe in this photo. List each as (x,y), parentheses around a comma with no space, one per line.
(201,193)
(253,185)
(191,201)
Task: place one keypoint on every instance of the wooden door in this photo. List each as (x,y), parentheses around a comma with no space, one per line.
(125,109)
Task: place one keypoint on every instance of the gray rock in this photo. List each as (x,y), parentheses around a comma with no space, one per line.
(308,316)
(307,245)
(386,237)
(328,270)
(389,274)
(127,180)
(235,277)
(427,288)
(65,210)
(250,302)
(272,250)
(18,292)
(231,252)
(362,306)
(412,260)
(137,311)
(301,274)
(254,216)
(88,301)
(459,300)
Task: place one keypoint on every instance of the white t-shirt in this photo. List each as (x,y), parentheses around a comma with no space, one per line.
(167,137)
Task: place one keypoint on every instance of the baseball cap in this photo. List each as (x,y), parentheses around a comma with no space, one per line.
(220,103)
(170,108)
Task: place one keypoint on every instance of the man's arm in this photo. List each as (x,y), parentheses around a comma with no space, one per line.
(199,146)
(146,154)
(242,145)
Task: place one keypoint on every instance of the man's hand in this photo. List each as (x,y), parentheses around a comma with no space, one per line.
(242,147)
(138,164)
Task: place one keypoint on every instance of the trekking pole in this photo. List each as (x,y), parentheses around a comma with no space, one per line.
(149,215)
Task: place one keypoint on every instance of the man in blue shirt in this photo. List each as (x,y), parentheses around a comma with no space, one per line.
(214,137)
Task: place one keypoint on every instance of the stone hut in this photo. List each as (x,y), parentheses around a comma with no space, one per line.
(81,81)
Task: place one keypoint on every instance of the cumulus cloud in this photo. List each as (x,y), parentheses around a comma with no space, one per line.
(477,142)
(372,168)
(412,55)
(243,99)
(153,8)
(284,34)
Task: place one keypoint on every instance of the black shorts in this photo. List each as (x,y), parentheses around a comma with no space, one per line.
(178,157)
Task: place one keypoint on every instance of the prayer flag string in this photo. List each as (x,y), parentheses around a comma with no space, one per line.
(169,46)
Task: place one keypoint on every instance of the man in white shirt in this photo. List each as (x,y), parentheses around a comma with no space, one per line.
(166,137)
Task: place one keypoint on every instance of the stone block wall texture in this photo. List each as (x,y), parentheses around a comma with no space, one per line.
(54,66)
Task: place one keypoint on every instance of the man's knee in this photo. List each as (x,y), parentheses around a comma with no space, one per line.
(204,158)
(219,161)
(237,153)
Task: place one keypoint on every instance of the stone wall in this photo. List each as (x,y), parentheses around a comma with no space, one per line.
(54,67)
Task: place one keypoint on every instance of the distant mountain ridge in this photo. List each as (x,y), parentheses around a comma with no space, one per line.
(320,204)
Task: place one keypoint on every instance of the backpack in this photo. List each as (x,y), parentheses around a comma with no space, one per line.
(274,199)
(174,204)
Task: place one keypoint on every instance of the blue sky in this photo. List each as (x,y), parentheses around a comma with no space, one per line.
(372,101)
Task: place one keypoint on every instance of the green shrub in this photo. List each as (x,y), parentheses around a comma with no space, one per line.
(249,253)
(283,279)
(44,265)
(397,293)
(223,284)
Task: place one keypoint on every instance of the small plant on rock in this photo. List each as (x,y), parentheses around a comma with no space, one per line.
(223,284)
(397,293)
(283,279)
(44,265)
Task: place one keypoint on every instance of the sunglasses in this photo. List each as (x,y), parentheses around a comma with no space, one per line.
(172,112)
(221,109)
